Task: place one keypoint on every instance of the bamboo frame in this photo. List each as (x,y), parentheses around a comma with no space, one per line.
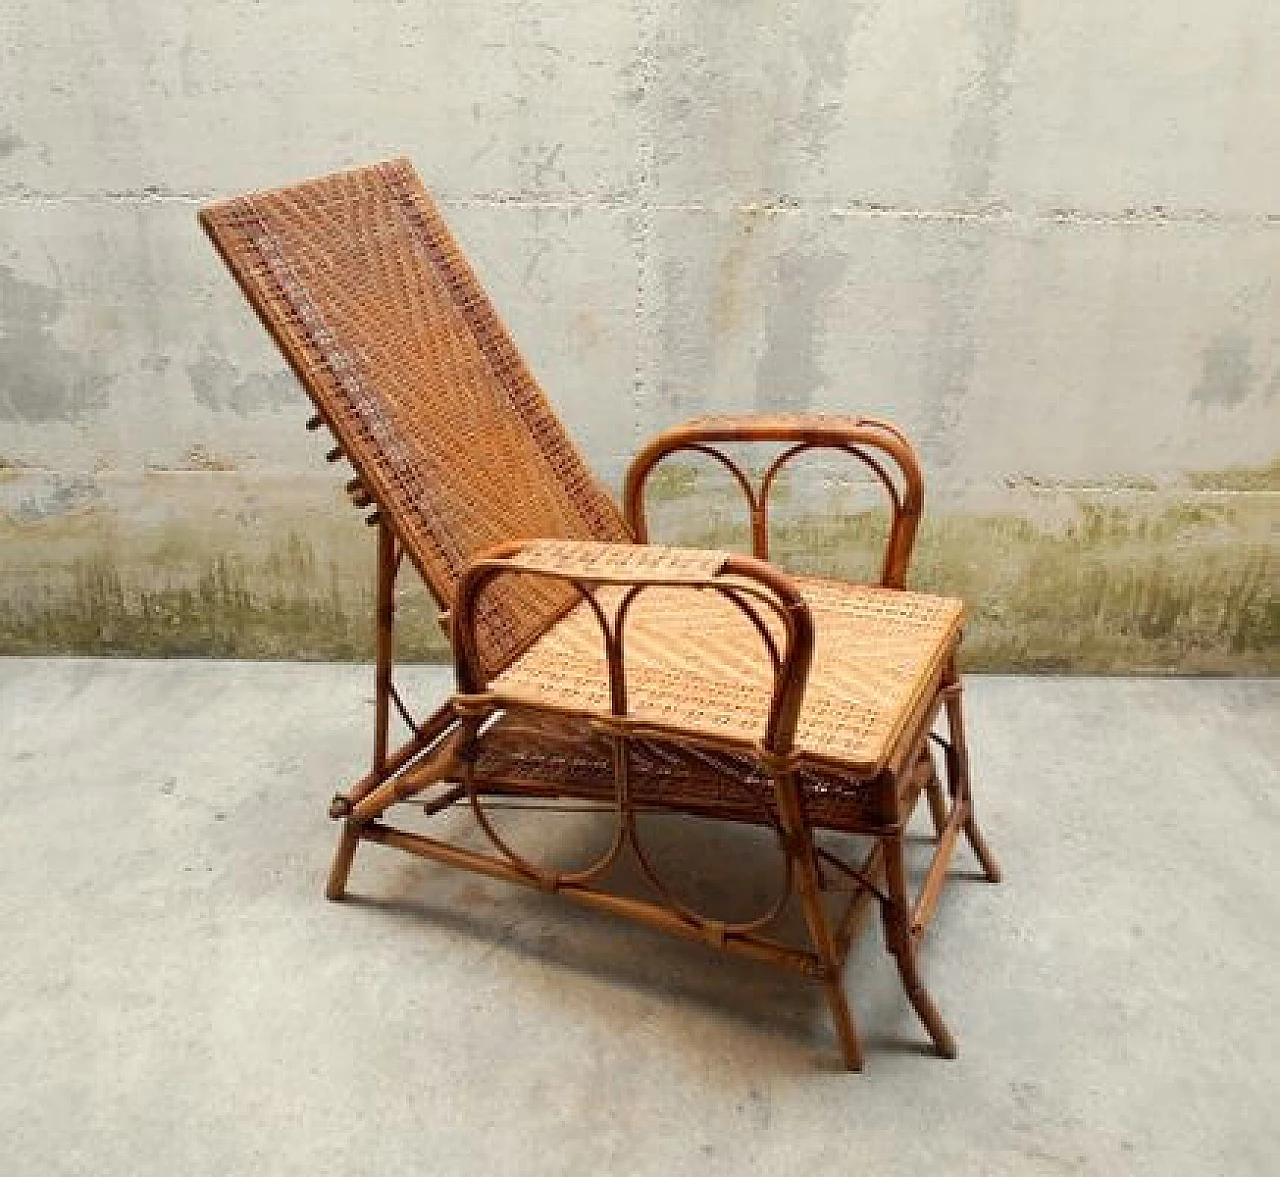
(600,569)
(438,754)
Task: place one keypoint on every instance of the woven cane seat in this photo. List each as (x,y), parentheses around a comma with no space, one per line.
(696,666)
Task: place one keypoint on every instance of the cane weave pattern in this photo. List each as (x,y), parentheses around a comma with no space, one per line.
(694,664)
(540,753)
(365,290)
(619,563)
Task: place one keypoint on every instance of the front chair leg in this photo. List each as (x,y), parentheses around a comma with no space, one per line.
(800,849)
(819,925)
(896,913)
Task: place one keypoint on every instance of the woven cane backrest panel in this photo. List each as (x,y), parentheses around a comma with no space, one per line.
(362,285)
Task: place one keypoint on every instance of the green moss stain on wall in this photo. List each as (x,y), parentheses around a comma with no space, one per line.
(1105,581)
(235,565)
(1239,478)
(211,566)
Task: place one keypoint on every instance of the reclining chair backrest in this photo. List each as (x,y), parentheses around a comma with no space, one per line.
(360,283)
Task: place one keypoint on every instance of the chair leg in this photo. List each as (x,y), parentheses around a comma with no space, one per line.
(990,867)
(961,786)
(846,1029)
(800,847)
(896,913)
(388,564)
(815,917)
(342,860)
(938,810)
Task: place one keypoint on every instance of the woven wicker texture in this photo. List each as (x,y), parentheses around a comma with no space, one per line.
(368,295)
(694,664)
(619,563)
(531,753)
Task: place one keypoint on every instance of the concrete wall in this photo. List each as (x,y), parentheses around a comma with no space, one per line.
(1045,238)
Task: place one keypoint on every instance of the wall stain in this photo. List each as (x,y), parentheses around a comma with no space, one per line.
(40,379)
(1227,373)
(50,495)
(188,72)
(956,298)
(727,301)
(229,606)
(672,482)
(1238,478)
(956,295)
(11,468)
(1150,583)
(975,142)
(10,142)
(789,371)
(1116,582)
(200,457)
(219,384)
(207,565)
(824,46)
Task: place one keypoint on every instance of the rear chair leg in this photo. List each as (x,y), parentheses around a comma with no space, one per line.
(388,564)
(990,867)
(896,913)
(846,1030)
(937,799)
(958,779)
(342,860)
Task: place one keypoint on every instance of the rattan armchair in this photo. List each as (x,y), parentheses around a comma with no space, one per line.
(590,663)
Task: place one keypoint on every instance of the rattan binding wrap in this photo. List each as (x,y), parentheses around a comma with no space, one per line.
(371,300)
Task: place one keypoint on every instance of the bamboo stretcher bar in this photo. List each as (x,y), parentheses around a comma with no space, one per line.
(757,948)
(931,889)
(429,731)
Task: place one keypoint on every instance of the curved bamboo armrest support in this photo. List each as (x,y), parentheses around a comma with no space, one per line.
(801,433)
(748,583)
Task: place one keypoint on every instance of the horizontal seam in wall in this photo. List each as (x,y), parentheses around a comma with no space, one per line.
(18,469)
(779,206)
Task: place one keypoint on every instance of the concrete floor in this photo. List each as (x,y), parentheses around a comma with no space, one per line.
(181,1000)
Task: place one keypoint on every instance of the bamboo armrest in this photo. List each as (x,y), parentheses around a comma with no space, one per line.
(751,584)
(799,433)
(605,563)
